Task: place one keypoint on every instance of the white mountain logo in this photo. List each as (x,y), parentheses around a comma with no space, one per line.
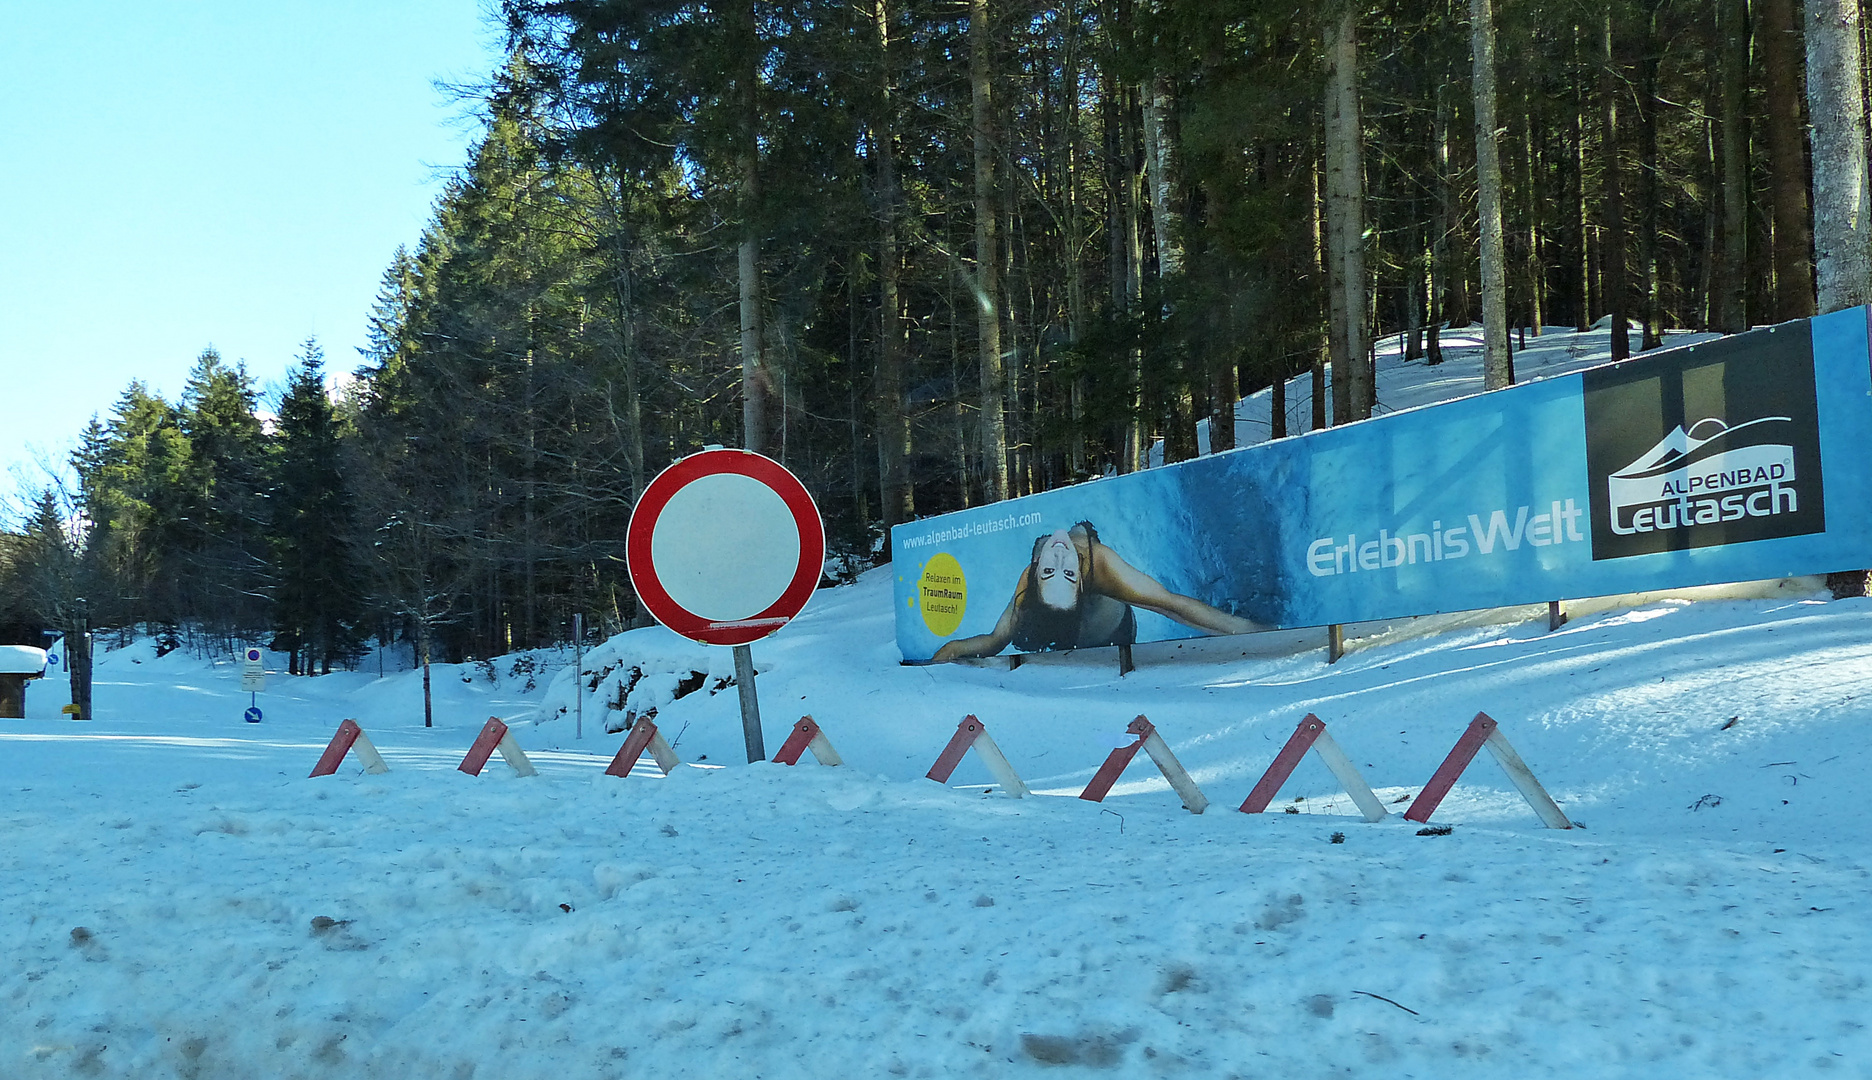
(1710,473)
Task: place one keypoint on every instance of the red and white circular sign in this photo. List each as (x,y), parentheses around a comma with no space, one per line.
(725,546)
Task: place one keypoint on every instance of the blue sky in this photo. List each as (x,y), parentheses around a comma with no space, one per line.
(180,174)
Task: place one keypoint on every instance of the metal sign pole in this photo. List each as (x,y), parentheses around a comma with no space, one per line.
(578,670)
(750,706)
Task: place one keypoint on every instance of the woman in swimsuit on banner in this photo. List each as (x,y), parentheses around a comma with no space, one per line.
(1076,593)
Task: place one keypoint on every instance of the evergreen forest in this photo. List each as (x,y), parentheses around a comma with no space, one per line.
(935,253)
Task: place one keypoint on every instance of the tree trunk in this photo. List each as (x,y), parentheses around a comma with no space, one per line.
(1123,197)
(1729,281)
(1442,222)
(1345,218)
(1778,34)
(78,664)
(987,259)
(1496,372)
(622,295)
(1582,216)
(1161,183)
(1612,248)
(1536,236)
(1334,270)
(1277,401)
(428,699)
(755,383)
(1076,316)
(1648,105)
(1322,350)
(1836,103)
(1161,175)
(893,426)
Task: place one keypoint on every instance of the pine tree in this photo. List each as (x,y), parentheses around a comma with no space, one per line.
(316,613)
(224,558)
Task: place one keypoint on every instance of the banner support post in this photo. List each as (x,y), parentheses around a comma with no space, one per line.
(578,671)
(1335,643)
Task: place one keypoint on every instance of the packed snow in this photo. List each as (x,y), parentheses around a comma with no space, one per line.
(180,899)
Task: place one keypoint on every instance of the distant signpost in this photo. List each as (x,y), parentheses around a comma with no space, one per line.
(253,680)
(725,547)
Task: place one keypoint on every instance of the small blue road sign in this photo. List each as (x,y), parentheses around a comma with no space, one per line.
(252,715)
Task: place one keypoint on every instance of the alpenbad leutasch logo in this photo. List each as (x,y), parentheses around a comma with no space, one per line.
(1712,444)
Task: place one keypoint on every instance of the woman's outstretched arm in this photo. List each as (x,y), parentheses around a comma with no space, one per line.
(1120,580)
(984,644)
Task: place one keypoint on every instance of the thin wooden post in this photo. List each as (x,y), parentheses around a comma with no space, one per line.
(1125,665)
(1335,643)
(1556,616)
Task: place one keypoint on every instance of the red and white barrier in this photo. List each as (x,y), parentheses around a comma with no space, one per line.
(1151,743)
(495,735)
(1311,735)
(1484,732)
(807,736)
(970,733)
(350,737)
(643,736)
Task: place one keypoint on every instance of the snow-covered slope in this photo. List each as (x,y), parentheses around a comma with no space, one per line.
(179,899)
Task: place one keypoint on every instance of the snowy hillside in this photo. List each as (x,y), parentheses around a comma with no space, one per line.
(179,899)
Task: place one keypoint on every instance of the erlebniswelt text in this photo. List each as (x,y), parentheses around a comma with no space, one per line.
(1558,524)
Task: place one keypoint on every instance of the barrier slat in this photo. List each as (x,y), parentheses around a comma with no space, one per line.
(959,744)
(1447,773)
(1523,778)
(340,745)
(633,748)
(1108,773)
(515,757)
(1284,764)
(477,758)
(1193,799)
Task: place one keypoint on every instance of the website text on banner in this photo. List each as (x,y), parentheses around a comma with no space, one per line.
(1733,460)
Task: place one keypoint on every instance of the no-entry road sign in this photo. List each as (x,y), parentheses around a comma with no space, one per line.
(725,546)
(253,671)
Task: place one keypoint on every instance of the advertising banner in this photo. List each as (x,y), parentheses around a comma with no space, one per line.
(1737,459)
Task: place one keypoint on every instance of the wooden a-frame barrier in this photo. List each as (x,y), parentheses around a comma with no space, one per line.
(807,736)
(1311,735)
(971,733)
(1484,732)
(643,736)
(350,737)
(1153,744)
(495,735)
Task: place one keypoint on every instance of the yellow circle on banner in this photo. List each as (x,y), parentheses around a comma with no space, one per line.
(943,594)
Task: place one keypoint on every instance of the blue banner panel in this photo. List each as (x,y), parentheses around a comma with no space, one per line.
(1732,460)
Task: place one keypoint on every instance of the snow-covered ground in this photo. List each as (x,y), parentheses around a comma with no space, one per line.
(177,898)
